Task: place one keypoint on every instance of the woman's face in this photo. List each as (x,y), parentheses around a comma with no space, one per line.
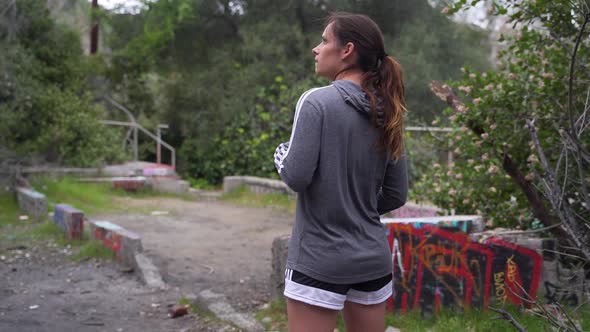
(328,61)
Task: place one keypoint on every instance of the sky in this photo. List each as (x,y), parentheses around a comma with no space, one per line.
(126,5)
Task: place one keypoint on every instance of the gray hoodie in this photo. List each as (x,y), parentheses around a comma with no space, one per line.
(344,181)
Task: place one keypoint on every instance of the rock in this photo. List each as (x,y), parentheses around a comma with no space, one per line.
(392,329)
(266,320)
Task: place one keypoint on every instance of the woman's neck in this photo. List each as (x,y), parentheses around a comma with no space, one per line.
(353,75)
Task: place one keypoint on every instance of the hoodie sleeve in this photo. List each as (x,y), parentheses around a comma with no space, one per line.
(296,160)
(394,189)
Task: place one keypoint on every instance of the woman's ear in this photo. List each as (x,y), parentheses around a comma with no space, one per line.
(347,51)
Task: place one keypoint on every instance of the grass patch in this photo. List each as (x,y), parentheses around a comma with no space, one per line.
(9,210)
(448,320)
(93,249)
(90,197)
(277,312)
(243,196)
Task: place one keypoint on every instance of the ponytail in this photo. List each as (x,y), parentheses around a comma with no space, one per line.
(385,88)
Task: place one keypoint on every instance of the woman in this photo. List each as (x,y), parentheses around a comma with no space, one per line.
(345,160)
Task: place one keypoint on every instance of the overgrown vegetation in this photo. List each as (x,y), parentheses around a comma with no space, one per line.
(45,107)
(519,135)
(446,321)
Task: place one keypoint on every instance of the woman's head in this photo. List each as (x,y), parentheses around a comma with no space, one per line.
(353,42)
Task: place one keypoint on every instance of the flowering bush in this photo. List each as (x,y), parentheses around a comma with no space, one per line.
(496,170)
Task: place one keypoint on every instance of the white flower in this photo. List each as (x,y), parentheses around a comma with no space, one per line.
(493,189)
(489,87)
(450,173)
(493,127)
(452,192)
(436,165)
(532,159)
(466,89)
(459,176)
(476,101)
(462,109)
(530,177)
(457,151)
(485,157)
(485,135)
(463,129)
(472,76)
(466,201)
(453,118)
(477,168)
(493,169)
(445,10)
(470,161)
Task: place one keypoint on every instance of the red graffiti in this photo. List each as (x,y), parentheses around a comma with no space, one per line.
(434,267)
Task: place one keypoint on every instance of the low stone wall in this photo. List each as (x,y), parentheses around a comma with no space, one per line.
(70,220)
(256,184)
(280,246)
(168,185)
(33,203)
(124,244)
(478,268)
(411,210)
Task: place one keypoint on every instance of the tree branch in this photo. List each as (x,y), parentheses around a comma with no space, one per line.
(507,316)
(538,208)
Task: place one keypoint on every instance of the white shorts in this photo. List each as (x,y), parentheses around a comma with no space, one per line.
(303,288)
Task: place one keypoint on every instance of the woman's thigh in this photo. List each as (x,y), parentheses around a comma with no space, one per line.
(305,317)
(364,318)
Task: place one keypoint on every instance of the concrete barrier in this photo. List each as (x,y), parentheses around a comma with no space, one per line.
(129,183)
(436,264)
(124,244)
(168,185)
(256,184)
(280,247)
(32,203)
(411,210)
(70,220)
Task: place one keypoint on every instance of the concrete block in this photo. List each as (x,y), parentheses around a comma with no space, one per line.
(32,203)
(169,185)
(70,220)
(218,304)
(465,224)
(411,210)
(280,247)
(124,244)
(129,183)
(257,185)
(148,272)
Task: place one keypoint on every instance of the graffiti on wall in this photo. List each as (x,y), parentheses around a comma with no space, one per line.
(70,220)
(435,267)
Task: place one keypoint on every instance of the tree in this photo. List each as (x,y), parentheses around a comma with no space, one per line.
(520,131)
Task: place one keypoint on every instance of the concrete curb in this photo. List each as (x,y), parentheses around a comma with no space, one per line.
(218,305)
(32,203)
(149,273)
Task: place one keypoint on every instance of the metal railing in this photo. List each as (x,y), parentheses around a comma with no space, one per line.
(134,128)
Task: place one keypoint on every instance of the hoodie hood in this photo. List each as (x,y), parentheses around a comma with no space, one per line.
(353,95)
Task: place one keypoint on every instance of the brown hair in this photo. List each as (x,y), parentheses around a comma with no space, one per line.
(382,79)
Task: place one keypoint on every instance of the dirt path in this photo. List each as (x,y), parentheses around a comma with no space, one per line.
(42,290)
(209,245)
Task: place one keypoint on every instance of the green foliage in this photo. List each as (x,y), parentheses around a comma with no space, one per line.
(8,209)
(531,83)
(93,249)
(447,320)
(44,110)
